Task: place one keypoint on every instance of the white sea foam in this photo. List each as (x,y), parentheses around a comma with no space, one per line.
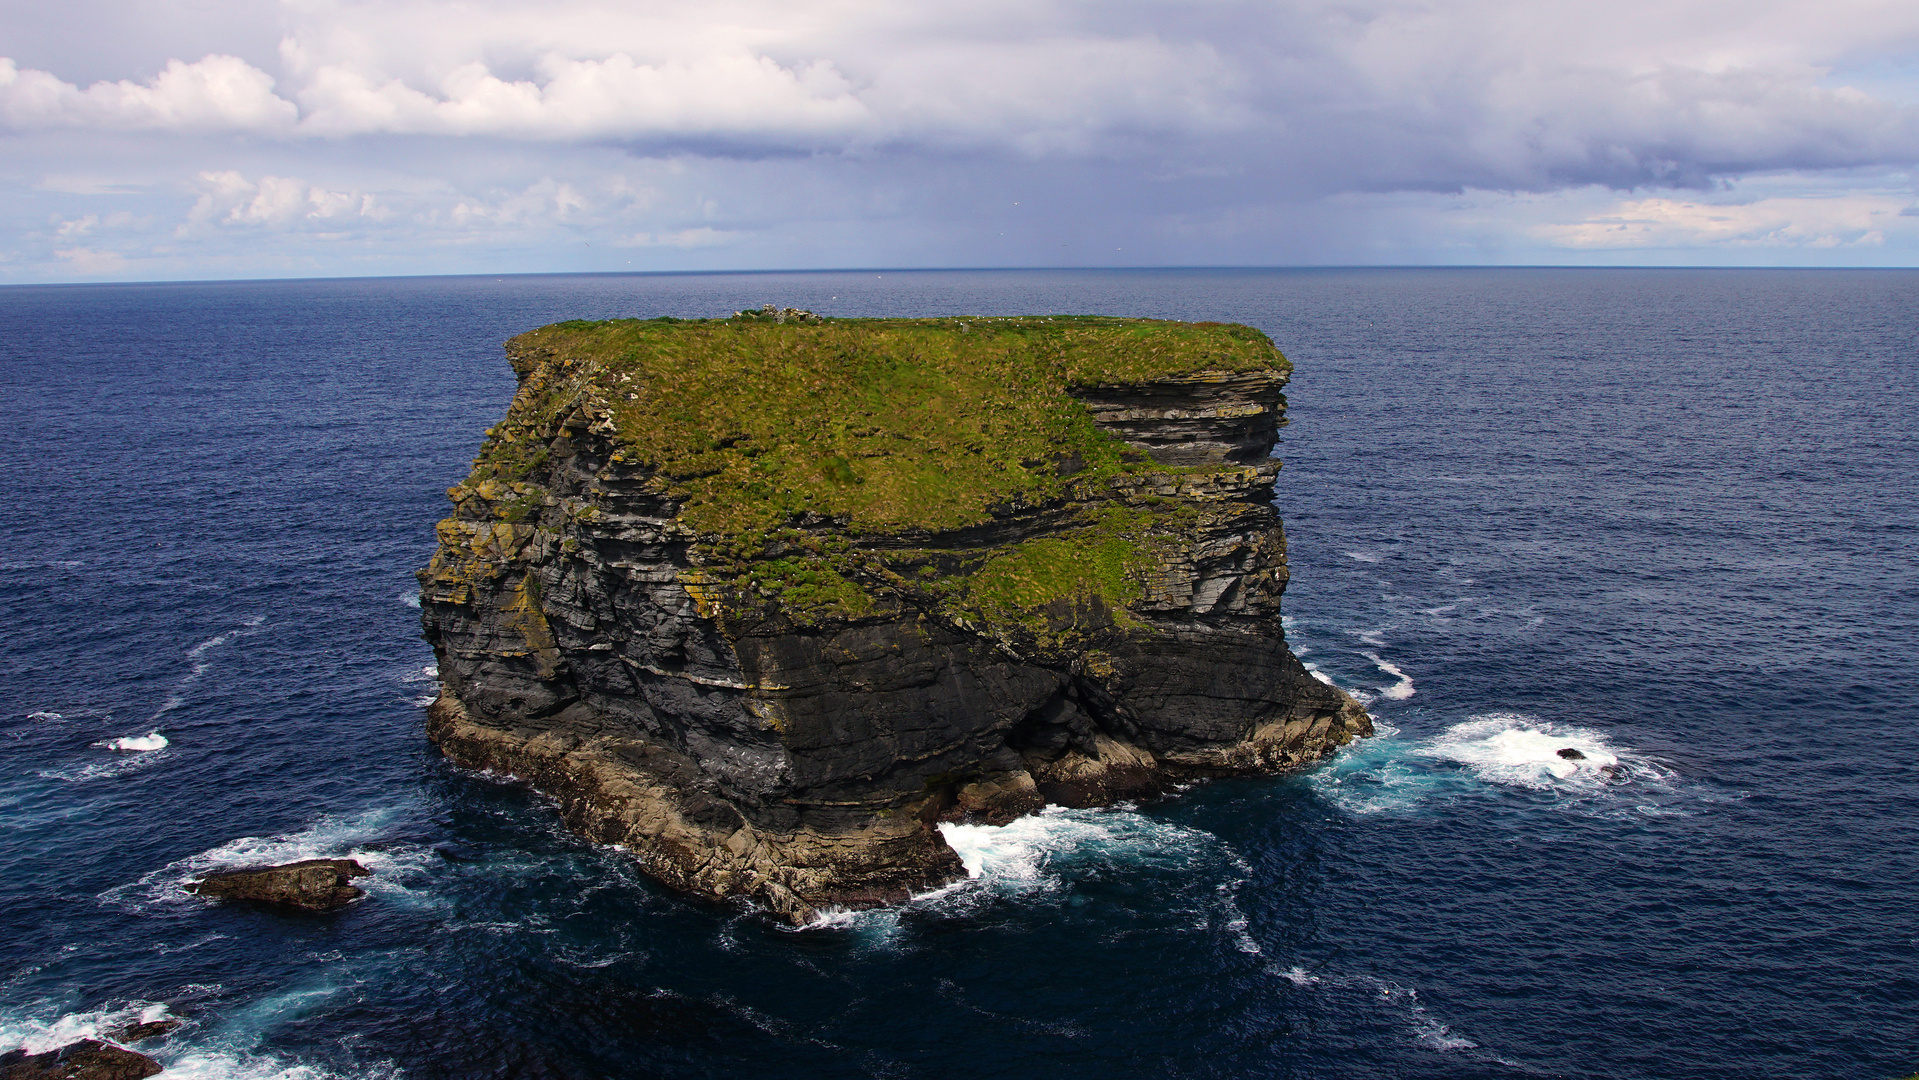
(1297,975)
(1497,751)
(1029,853)
(428,674)
(1424,1028)
(120,765)
(1039,855)
(45,716)
(1362,556)
(152,740)
(411,598)
(40,1036)
(1518,751)
(356,837)
(1400,690)
(1375,638)
(240,1065)
(198,662)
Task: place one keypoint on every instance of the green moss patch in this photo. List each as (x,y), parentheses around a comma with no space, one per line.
(888,425)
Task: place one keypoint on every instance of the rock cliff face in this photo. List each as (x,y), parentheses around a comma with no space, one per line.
(1008,563)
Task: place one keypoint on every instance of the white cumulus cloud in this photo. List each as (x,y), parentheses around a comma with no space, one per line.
(215,93)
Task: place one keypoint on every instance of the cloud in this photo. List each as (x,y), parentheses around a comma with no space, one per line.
(1775,222)
(897,132)
(715,96)
(1315,95)
(216,93)
(227,198)
(90,262)
(699,237)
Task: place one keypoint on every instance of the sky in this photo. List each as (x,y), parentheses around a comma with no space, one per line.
(197,139)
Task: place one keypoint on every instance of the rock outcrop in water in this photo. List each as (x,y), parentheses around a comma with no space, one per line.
(308,885)
(764,600)
(88,1059)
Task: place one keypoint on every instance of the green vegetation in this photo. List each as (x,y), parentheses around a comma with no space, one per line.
(794,441)
(1046,584)
(888,425)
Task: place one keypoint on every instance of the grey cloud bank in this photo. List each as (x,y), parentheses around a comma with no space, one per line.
(422,137)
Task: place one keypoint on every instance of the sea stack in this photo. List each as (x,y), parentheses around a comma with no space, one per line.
(765,599)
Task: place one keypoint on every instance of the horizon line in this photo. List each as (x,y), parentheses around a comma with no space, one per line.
(1275,267)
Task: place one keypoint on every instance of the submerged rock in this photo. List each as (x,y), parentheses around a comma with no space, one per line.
(765,600)
(309,885)
(149,1029)
(87,1059)
(1571,754)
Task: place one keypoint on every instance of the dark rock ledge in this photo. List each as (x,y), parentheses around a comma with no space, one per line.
(593,640)
(308,885)
(88,1059)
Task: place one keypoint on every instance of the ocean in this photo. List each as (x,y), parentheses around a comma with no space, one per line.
(1666,517)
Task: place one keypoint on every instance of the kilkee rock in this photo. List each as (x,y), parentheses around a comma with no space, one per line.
(87,1059)
(766,599)
(309,885)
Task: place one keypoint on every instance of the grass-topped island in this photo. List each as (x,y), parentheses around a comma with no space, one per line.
(766,598)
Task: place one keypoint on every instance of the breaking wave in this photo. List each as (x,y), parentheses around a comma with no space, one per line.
(152,740)
(1045,855)
(1496,752)
(38,1036)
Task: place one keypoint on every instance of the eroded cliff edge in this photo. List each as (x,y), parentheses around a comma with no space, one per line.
(764,599)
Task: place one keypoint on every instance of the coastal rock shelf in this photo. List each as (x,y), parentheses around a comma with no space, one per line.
(765,599)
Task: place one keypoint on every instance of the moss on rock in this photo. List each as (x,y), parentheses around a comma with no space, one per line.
(889,425)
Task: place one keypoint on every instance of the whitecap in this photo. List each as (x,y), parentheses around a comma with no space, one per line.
(45,716)
(40,1036)
(411,598)
(1361,556)
(1375,638)
(1515,750)
(151,741)
(1400,690)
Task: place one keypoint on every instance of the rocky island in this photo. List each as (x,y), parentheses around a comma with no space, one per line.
(765,599)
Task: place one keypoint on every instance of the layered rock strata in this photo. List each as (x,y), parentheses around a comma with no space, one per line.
(784,712)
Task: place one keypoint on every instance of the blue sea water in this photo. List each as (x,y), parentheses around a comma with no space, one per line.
(1666,517)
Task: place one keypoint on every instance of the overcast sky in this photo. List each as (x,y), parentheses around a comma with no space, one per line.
(168,139)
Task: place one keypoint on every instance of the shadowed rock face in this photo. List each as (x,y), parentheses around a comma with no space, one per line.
(309,885)
(83,1060)
(741,748)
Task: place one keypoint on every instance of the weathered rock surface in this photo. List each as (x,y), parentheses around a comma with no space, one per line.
(87,1059)
(592,641)
(146,1029)
(309,885)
